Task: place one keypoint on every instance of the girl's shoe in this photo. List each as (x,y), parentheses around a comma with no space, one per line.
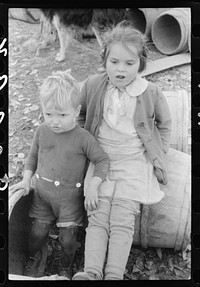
(85,276)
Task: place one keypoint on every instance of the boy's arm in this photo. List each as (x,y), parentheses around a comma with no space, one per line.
(97,156)
(163,119)
(29,169)
(32,159)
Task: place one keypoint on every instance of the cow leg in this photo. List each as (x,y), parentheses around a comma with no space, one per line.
(64,37)
(98,36)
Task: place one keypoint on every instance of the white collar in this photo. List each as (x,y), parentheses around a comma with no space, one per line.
(135,88)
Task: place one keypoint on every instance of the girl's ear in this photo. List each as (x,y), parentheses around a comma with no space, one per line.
(78,110)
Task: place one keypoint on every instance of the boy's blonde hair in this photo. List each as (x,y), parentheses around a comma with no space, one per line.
(60,90)
(125,33)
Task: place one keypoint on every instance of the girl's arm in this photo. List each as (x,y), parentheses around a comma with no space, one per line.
(163,119)
(97,156)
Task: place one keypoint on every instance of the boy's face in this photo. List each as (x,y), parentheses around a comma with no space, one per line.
(122,64)
(60,121)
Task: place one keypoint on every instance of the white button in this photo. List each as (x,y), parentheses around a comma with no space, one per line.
(56,183)
(78,184)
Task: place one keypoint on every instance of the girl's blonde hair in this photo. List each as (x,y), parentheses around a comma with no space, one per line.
(125,33)
(60,90)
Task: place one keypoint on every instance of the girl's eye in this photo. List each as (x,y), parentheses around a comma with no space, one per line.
(48,114)
(63,115)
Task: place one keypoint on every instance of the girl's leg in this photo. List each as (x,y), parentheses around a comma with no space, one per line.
(37,241)
(96,242)
(122,220)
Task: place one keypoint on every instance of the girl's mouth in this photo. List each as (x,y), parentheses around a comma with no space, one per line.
(120,77)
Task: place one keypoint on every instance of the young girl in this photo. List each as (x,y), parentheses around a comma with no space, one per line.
(58,157)
(131,120)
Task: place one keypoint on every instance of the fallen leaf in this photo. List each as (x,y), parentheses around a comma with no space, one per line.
(36,124)
(178,267)
(171,265)
(135,269)
(184,254)
(23,65)
(153,277)
(149,264)
(21,155)
(177,272)
(10,175)
(14,103)
(159,252)
(53,236)
(11,75)
(34,108)
(13,63)
(139,263)
(11,133)
(33,72)
(26,111)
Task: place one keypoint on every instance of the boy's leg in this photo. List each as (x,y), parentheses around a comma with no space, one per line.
(96,242)
(37,241)
(122,220)
(69,245)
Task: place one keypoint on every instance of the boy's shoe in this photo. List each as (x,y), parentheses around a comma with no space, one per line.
(30,268)
(66,272)
(85,276)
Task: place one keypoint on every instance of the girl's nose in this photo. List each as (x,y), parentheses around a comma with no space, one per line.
(120,67)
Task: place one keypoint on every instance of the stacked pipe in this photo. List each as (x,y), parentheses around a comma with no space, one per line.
(170,31)
(168,28)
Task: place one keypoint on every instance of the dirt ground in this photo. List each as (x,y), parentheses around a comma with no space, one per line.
(26,73)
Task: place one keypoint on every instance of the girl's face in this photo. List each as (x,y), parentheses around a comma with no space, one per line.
(60,120)
(122,65)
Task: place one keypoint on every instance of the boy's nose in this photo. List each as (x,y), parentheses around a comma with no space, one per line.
(55,121)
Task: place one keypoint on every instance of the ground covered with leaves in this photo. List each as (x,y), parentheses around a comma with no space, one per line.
(26,73)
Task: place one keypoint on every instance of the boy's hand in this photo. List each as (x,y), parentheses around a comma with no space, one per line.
(20,185)
(91,196)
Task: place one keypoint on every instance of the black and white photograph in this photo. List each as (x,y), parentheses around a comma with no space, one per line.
(100,139)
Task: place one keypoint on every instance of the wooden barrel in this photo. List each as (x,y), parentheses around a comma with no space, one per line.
(19,229)
(179,109)
(167,224)
(170,31)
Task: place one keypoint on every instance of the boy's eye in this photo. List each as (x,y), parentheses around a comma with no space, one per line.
(48,114)
(63,115)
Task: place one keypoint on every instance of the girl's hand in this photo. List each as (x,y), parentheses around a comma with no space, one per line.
(91,197)
(20,185)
